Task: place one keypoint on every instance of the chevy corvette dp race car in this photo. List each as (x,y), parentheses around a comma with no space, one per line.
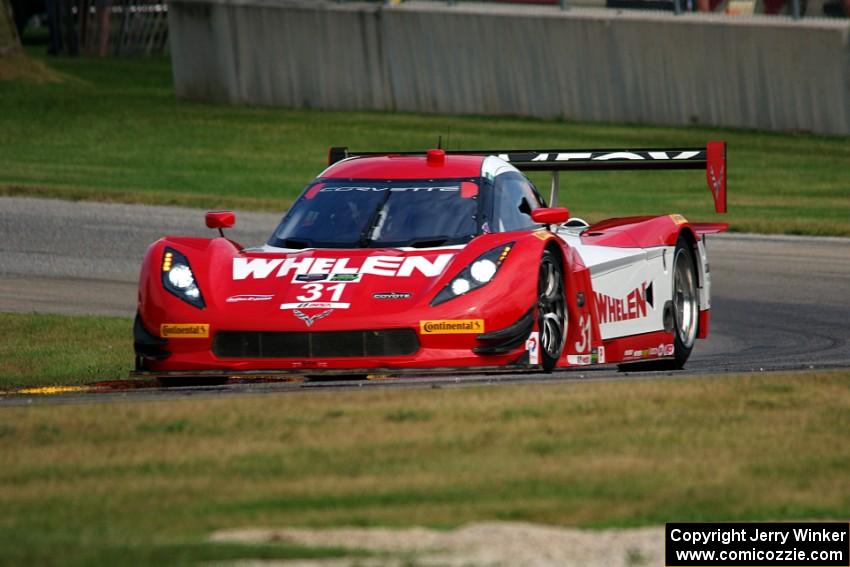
(439,260)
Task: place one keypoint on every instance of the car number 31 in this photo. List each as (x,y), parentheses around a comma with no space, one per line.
(315,291)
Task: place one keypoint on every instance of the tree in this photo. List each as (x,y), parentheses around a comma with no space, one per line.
(9,41)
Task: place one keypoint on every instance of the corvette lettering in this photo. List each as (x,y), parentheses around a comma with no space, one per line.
(261,268)
(613,309)
(390,189)
(451,326)
(184,330)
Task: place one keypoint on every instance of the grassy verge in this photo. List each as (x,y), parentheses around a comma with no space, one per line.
(80,481)
(42,350)
(114,131)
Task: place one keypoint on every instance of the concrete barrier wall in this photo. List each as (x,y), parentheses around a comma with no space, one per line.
(586,65)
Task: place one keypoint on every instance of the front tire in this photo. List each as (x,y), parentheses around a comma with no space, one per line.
(551,310)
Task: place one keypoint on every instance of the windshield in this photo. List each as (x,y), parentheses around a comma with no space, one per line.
(372,214)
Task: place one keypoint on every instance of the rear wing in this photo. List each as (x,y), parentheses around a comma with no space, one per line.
(711,158)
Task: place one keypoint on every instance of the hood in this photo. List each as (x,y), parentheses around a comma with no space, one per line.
(360,281)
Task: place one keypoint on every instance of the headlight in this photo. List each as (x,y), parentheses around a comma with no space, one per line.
(478,273)
(460,286)
(177,278)
(483,271)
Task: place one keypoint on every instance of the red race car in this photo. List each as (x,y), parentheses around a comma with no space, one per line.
(437,260)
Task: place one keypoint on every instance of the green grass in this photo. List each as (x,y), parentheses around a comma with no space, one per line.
(82,484)
(175,552)
(114,131)
(48,350)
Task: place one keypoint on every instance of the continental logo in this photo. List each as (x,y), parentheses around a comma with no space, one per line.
(184,330)
(449,326)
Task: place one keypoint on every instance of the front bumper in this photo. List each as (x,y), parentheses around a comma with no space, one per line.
(268,353)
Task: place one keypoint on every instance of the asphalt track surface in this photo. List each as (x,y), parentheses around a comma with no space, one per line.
(779,302)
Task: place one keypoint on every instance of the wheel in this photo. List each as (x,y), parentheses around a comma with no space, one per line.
(685,302)
(685,312)
(551,309)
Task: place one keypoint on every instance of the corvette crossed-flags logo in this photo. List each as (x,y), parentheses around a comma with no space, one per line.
(310,320)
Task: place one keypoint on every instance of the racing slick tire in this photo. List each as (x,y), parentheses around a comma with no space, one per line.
(685,312)
(551,310)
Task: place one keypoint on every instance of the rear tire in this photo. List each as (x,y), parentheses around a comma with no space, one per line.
(551,310)
(685,312)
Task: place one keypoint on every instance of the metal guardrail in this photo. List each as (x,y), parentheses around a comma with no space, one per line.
(677,6)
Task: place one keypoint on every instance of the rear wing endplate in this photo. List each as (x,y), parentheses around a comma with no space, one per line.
(711,158)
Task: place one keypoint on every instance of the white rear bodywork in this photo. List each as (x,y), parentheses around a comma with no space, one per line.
(632,285)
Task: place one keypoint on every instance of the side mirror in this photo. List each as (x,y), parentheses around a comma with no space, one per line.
(552,215)
(220,220)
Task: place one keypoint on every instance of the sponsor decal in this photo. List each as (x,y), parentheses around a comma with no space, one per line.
(532,345)
(391,295)
(579,359)
(350,278)
(316,305)
(184,330)
(310,277)
(678,219)
(391,266)
(605,156)
(364,189)
(654,352)
(451,326)
(601,355)
(238,298)
(614,309)
(308,320)
(542,234)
